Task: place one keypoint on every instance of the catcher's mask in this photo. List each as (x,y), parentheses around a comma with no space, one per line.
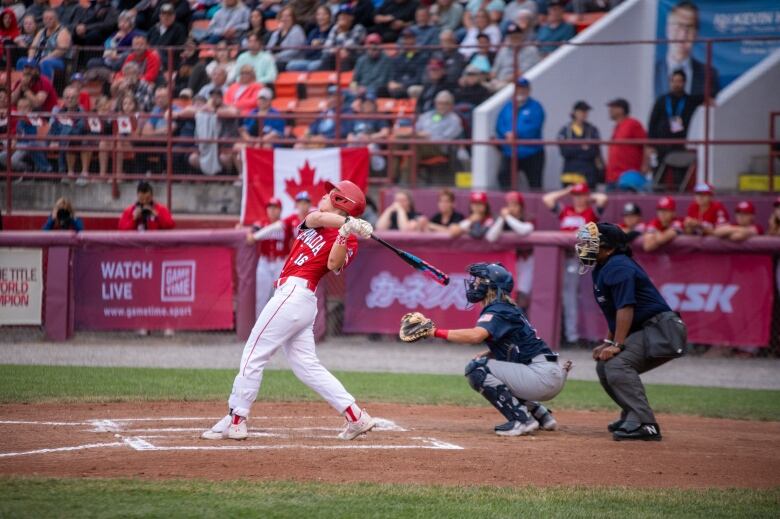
(591,237)
(485,276)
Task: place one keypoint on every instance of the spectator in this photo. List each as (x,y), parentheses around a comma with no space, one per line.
(512,219)
(363,132)
(36,10)
(168,33)
(624,157)
(572,217)
(148,60)
(116,46)
(494,8)
(508,66)
(315,39)
(447,14)
(157,125)
(528,125)
(364,11)
(632,223)
(670,118)
(187,59)
(286,38)
(425,32)
(344,38)
(63,217)
(435,82)
(182,11)
(229,22)
(69,125)
(447,219)
(744,227)
(581,163)
(100,127)
(215,120)
(36,88)
(526,20)
(400,215)
(324,127)
(218,81)
(482,25)
(392,17)
(471,89)
(515,7)
(18,8)
(682,26)
(50,47)
(408,66)
(97,24)
(70,14)
(20,157)
(704,213)
(484,57)
(262,127)
(257,26)
(773,228)
(665,227)
(372,70)
(145,214)
(222,58)
(27,34)
(261,61)
(130,83)
(555,29)
(9,30)
(126,125)
(439,124)
(454,62)
(243,93)
(479,220)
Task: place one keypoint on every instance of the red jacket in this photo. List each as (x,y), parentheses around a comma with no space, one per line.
(163,220)
(149,62)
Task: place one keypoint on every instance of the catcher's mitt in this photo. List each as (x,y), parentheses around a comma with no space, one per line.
(415,326)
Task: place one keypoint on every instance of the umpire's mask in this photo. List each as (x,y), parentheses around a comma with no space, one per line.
(587,246)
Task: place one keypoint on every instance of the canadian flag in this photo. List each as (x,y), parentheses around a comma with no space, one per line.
(283,173)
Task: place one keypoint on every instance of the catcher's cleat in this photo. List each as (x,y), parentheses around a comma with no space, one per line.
(354,429)
(617,425)
(219,430)
(547,421)
(516,427)
(646,432)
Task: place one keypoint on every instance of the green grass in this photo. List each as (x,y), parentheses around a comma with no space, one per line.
(87,384)
(122,498)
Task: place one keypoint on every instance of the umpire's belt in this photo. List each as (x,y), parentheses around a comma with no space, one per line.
(658,317)
(305,283)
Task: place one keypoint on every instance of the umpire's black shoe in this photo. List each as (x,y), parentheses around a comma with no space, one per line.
(646,432)
(616,425)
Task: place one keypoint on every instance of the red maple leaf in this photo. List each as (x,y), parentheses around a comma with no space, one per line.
(306,184)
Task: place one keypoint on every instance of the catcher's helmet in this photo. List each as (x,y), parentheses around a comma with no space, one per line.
(347,197)
(485,276)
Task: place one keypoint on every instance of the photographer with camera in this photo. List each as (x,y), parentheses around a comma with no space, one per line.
(145,214)
(63,218)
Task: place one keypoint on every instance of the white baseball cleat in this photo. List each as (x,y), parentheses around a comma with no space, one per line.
(354,429)
(238,431)
(219,430)
(517,428)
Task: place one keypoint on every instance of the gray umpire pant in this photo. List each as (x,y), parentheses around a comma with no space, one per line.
(538,381)
(662,339)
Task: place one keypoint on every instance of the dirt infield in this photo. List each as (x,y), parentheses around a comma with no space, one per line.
(414,444)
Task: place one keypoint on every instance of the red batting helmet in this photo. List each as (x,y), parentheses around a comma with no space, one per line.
(746,208)
(667,203)
(478,197)
(348,197)
(514,196)
(274,201)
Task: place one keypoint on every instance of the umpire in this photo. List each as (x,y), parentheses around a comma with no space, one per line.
(643,331)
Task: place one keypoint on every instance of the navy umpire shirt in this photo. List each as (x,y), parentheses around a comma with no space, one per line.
(512,338)
(621,282)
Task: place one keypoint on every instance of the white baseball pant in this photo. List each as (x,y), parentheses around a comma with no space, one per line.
(286,322)
(268,271)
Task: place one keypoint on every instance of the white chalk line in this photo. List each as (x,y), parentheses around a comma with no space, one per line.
(62,449)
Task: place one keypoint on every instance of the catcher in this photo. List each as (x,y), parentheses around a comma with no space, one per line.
(519,369)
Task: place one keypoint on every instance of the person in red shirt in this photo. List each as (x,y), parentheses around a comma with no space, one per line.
(326,243)
(704,213)
(145,214)
(35,87)
(572,217)
(147,59)
(275,241)
(744,227)
(479,219)
(665,227)
(624,157)
(302,208)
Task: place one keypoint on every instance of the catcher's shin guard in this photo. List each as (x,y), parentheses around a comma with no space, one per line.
(499,396)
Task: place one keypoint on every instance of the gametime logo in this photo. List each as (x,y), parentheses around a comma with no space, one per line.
(178,281)
(699,297)
(416,290)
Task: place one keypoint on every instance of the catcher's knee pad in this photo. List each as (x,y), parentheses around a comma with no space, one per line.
(476,373)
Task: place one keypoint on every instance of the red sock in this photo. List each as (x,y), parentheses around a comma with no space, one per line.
(237,419)
(352,413)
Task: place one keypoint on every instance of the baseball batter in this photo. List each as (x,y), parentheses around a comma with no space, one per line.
(326,242)
(519,369)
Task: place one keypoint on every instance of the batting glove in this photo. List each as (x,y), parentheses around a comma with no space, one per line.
(356,226)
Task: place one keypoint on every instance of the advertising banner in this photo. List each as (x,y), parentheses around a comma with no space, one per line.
(21,286)
(724,301)
(381,288)
(180,288)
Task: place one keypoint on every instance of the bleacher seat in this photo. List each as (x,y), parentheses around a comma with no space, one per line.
(286,84)
(284,104)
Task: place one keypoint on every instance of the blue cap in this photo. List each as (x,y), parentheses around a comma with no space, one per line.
(303,195)
(333,90)
(523,82)
(346,9)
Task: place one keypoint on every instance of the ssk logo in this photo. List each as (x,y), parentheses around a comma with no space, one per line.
(178,281)
(699,297)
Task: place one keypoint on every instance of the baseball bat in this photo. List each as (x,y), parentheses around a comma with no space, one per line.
(417,263)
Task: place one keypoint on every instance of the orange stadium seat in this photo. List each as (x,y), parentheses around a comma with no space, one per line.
(271,24)
(299,130)
(386,104)
(285,104)
(287,83)
(312,105)
(200,25)
(345,79)
(318,82)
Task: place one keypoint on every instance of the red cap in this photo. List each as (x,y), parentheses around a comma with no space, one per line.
(348,197)
(703,188)
(274,201)
(746,207)
(478,197)
(514,196)
(666,202)
(580,189)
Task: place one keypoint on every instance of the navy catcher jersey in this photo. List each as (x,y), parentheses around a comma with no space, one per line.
(621,282)
(512,338)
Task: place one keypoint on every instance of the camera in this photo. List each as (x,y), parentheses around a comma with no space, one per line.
(146,211)
(64,218)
